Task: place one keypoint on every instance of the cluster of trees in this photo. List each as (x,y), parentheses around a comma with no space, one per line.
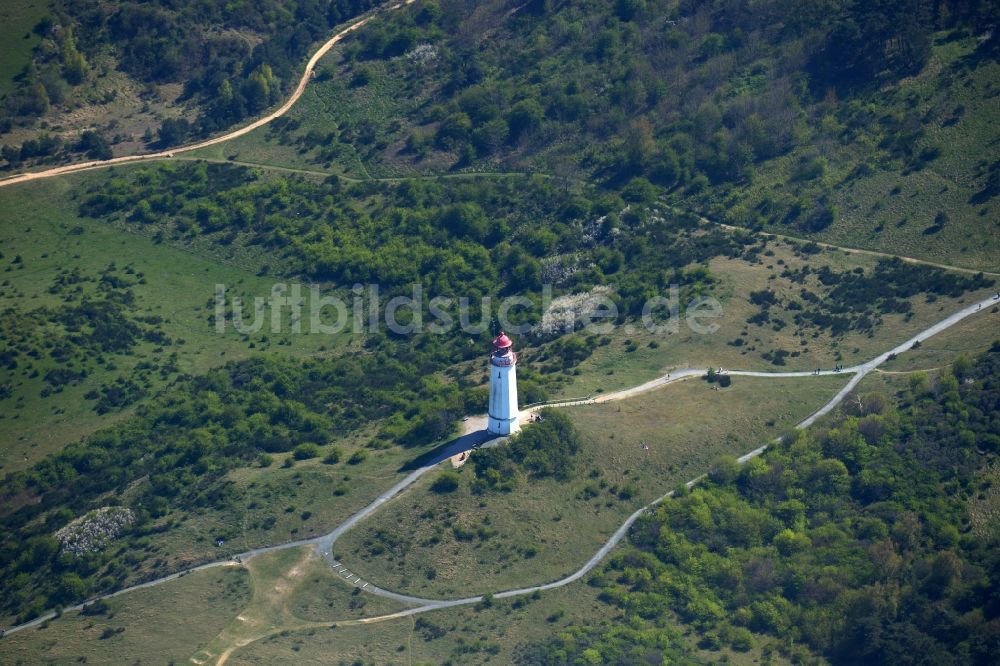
(233,59)
(439,234)
(195,44)
(852,541)
(622,644)
(475,238)
(46,147)
(895,279)
(544,448)
(683,94)
(57,67)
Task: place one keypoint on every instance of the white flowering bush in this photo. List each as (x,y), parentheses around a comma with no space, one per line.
(92,532)
(565,312)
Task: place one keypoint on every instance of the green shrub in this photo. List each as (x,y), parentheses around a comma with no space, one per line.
(306,451)
(741,639)
(725,469)
(447,482)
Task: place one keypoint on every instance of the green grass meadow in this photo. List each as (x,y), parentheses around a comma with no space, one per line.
(164,624)
(17,18)
(445,545)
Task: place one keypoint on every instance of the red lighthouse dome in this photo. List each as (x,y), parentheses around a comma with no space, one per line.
(502,341)
(502,354)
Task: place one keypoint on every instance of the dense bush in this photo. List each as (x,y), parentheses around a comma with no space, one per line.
(446,482)
(97,321)
(546,447)
(435,233)
(655,94)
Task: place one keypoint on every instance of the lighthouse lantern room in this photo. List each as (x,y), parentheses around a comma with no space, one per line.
(503,387)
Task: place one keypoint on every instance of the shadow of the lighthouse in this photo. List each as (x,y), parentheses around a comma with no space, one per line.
(502,418)
(473,440)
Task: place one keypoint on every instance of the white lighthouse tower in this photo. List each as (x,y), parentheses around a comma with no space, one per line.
(503,387)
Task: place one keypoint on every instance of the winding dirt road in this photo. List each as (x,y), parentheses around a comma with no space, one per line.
(282,110)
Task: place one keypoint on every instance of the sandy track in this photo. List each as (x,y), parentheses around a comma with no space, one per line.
(282,110)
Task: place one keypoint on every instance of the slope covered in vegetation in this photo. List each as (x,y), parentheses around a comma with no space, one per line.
(796,115)
(205,66)
(175,453)
(851,541)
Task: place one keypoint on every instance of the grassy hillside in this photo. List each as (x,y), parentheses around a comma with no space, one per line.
(87,79)
(735,112)
(623,613)
(17,18)
(293,591)
(970,338)
(838,537)
(531,530)
(56,266)
(159,625)
(409,162)
(912,170)
(178,461)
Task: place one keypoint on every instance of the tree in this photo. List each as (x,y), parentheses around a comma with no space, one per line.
(788,542)
(830,476)
(873,39)
(525,118)
(629,9)
(962,367)
(173,131)
(95,145)
(638,146)
(260,89)
(306,451)
(489,136)
(466,220)
(74,64)
(71,587)
(11,154)
(724,470)
(454,131)
(34,100)
(640,190)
